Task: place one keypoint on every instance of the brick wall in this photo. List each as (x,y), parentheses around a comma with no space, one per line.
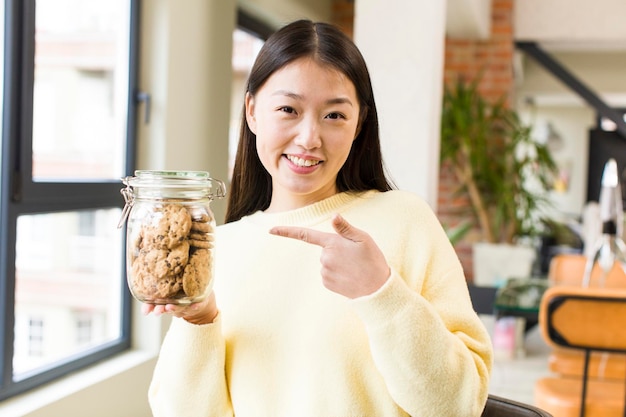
(494,57)
(343,15)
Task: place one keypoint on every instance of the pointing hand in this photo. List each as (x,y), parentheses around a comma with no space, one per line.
(352,263)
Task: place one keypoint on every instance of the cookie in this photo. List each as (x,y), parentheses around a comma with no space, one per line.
(201,227)
(201,244)
(170,255)
(168,227)
(197,273)
(166,262)
(201,236)
(168,287)
(147,286)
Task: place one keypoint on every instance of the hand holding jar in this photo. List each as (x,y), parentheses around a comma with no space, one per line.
(203,312)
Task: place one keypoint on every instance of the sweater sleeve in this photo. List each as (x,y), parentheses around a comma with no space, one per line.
(433,354)
(189,378)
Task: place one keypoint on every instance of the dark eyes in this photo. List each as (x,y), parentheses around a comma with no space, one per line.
(287,109)
(335,116)
(332,115)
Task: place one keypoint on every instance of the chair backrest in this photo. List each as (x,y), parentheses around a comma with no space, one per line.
(588,319)
(503,407)
(584,318)
(567,269)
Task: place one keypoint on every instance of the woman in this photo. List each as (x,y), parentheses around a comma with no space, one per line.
(337,295)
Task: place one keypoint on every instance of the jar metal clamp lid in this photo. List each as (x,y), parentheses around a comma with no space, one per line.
(192,185)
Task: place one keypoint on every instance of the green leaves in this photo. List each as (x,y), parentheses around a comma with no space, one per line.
(495,159)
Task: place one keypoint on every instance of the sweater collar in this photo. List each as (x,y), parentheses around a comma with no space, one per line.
(312,214)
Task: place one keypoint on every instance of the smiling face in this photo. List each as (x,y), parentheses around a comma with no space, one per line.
(305,118)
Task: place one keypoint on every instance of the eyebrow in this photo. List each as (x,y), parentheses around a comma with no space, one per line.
(295,96)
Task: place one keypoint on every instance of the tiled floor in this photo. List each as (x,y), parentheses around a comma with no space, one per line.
(515,378)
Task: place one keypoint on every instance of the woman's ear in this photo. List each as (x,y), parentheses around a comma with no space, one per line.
(250,113)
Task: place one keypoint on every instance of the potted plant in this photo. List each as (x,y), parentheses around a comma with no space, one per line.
(504,171)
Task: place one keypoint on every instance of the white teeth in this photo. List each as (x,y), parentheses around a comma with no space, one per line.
(302,162)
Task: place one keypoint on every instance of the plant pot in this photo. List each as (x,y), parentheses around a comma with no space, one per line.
(495,263)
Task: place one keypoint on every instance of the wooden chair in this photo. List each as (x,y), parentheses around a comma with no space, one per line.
(589,320)
(503,407)
(568,270)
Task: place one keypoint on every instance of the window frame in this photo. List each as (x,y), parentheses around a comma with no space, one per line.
(20,195)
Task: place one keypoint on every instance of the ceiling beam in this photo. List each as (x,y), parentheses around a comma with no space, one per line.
(565,76)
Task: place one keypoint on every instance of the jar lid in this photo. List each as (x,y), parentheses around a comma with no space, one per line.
(169,184)
(153,178)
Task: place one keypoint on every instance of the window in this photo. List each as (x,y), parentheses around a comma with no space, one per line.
(67,139)
(84,326)
(35,338)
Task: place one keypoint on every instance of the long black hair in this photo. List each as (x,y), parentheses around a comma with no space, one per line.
(251,185)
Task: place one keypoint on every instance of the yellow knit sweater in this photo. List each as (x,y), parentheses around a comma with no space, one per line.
(285,346)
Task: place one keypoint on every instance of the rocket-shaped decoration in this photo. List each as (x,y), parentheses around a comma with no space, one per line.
(611,209)
(610,247)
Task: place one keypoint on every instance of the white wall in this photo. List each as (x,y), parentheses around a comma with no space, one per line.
(468,19)
(404,52)
(571,123)
(595,23)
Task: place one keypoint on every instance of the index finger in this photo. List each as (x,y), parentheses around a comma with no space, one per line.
(304,234)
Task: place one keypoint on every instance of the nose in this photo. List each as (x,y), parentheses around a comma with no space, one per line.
(308,135)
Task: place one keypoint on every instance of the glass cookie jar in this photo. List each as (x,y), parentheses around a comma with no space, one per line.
(170,235)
